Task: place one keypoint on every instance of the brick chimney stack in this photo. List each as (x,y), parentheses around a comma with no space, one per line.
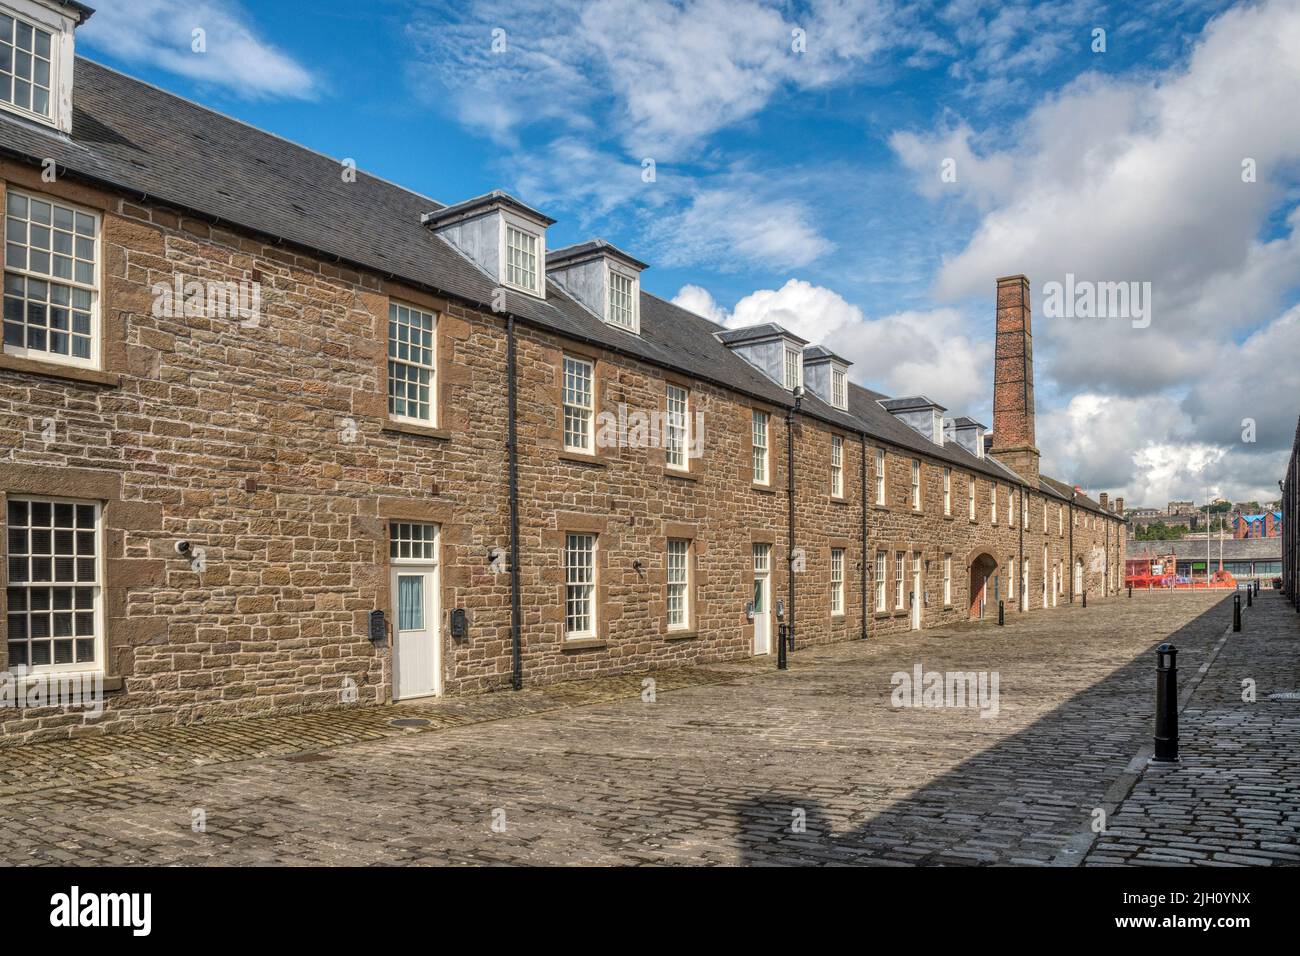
(1105,501)
(1013,381)
(1119,506)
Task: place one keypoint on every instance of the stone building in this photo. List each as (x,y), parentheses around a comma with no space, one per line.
(279,435)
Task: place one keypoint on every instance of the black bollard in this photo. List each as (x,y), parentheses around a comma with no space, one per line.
(1236,612)
(1250,597)
(780,648)
(1085,598)
(1002,613)
(1130,592)
(1166,703)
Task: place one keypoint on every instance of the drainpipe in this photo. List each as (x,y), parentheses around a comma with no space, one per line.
(862,436)
(1070,564)
(789,467)
(1024,519)
(512,452)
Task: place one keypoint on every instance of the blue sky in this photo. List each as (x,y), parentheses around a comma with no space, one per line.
(797,151)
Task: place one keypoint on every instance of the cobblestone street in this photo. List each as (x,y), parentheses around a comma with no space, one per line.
(726,761)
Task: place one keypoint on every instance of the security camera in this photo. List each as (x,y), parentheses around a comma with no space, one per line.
(182,547)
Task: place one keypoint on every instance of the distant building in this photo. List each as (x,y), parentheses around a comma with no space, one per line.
(1181,508)
(1266,525)
(1245,559)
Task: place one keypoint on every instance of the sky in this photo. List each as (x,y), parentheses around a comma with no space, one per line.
(860,172)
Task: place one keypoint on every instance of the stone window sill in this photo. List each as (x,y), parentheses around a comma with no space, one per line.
(685,634)
(410,428)
(765,489)
(581,458)
(70,373)
(584,644)
(682,475)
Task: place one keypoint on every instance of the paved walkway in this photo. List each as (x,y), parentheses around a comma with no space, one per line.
(731,764)
(1234,796)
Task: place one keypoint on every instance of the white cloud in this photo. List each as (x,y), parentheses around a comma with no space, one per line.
(1141,180)
(159,33)
(661,75)
(731,226)
(905,353)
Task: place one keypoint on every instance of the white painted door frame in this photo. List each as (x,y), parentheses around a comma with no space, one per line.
(417,650)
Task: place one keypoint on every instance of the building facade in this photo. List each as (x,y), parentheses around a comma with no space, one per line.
(277,435)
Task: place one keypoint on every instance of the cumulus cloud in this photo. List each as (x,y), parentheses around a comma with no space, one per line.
(159,33)
(904,353)
(1140,178)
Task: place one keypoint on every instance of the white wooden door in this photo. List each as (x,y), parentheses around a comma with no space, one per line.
(762,598)
(918,596)
(417,664)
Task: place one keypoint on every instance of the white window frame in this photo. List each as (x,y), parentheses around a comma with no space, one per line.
(633,323)
(1011,578)
(759,435)
(837,466)
(572,410)
(900,568)
(881,573)
(793,368)
(839,388)
(522,226)
(947,492)
(837,582)
(970,495)
(94,288)
(578,592)
(96,666)
(1011,508)
(880,476)
(993,502)
(57,28)
(678,578)
(394,317)
(677,426)
(916,484)
(947,580)
(1060,521)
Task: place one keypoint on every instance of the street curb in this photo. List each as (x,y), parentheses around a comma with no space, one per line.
(1076,849)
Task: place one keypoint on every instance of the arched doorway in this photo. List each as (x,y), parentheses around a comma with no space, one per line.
(982,568)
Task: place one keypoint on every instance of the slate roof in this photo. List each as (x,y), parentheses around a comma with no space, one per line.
(765,330)
(578,250)
(136,139)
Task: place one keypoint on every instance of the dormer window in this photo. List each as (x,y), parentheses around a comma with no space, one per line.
(36,57)
(26,66)
(839,388)
(499,234)
(602,279)
(622,300)
(521,259)
(793,368)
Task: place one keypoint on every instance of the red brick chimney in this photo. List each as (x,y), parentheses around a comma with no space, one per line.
(1013,381)
(1105,501)
(1119,506)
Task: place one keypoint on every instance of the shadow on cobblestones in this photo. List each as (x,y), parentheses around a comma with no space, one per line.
(1024,800)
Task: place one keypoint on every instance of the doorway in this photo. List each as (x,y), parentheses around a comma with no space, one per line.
(762,599)
(417,611)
